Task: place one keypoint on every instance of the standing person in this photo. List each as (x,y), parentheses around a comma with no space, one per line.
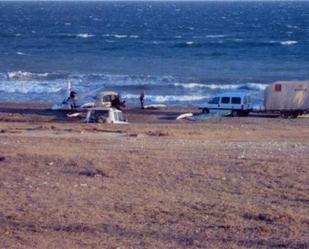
(72,98)
(141,98)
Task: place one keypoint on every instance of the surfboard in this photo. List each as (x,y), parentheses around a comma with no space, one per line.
(184,115)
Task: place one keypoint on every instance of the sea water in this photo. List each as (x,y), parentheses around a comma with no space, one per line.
(178,53)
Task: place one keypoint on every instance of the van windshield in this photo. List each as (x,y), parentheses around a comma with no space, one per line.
(214,100)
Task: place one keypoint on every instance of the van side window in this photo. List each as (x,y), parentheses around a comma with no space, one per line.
(236,100)
(214,101)
(225,100)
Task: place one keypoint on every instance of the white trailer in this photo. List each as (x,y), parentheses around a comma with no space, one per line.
(289,98)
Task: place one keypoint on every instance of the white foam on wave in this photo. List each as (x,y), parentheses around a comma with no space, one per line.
(30,87)
(189,43)
(26,75)
(167,98)
(85,35)
(190,85)
(292,26)
(245,86)
(284,43)
(96,19)
(119,36)
(20,53)
(215,36)
(288,43)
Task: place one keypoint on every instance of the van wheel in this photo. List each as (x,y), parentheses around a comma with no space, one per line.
(246,113)
(294,115)
(284,114)
(235,113)
(205,110)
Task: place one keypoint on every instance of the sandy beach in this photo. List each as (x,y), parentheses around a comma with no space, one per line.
(154,183)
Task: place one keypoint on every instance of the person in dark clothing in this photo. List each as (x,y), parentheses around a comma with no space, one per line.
(141,98)
(72,99)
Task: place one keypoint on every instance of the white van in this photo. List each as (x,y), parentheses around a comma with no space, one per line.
(105,115)
(239,103)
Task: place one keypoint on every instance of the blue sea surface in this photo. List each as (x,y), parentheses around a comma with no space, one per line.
(179,53)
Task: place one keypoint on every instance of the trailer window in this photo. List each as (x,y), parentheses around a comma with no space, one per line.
(225,100)
(277,87)
(236,100)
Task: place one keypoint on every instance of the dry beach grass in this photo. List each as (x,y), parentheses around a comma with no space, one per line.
(155,183)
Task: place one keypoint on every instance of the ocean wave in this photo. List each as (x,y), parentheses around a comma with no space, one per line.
(70,35)
(233,42)
(190,85)
(32,88)
(134,36)
(266,43)
(120,36)
(166,98)
(127,81)
(20,53)
(243,86)
(85,35)
(21,75)
(188,44)
(215,36)
(288,43)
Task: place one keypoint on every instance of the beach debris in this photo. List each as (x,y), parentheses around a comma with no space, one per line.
(184,115)
(204,116)
(88,105)
(75,115)
(2,158)
(92,173)
(155,107)
(156,133)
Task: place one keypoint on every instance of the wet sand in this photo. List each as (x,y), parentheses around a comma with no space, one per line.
(154,183)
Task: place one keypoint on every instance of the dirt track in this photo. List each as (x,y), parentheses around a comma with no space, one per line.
(155,183)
